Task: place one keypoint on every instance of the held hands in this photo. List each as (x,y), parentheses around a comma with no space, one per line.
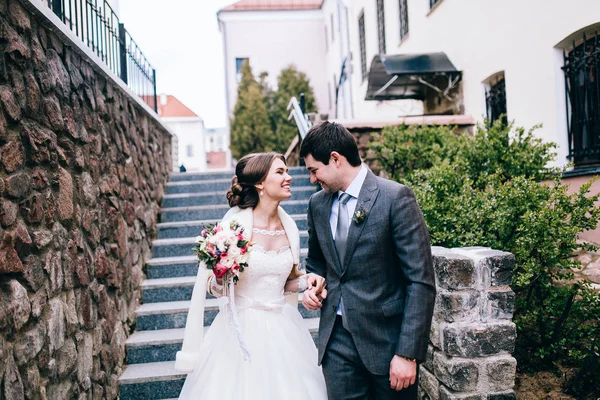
(316,292)
(402,373)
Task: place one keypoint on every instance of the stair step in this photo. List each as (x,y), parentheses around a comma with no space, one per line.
(168,289)
(162,345)
(174,214)
(173,314)
(158,380)
(218,185)
(171,267)
(212,198)
(178,229)
(177,247)
(203,176)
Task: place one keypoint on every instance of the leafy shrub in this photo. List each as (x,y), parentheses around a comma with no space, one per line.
(493,189)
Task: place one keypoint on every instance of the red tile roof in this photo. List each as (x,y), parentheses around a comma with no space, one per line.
(173,108)
(256,5)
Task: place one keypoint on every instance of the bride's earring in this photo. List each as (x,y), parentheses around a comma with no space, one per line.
(261,192)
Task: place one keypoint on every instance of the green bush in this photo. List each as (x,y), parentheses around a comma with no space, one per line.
(492,189)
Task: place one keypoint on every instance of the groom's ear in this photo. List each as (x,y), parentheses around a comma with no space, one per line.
(335,158)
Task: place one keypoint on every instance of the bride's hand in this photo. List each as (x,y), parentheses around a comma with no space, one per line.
(317,284)
(316,292)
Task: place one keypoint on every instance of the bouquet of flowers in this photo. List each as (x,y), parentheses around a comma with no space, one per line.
(224,249)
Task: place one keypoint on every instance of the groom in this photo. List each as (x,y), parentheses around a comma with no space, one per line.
(369,240)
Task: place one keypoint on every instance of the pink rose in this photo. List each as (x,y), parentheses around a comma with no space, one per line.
(243,250)
(220,270)
(224,254)
(217,228)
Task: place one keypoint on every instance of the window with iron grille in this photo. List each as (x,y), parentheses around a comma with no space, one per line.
(582,85)
(403,19)
(432,3)
(381,26)
(495,100)
(363,46)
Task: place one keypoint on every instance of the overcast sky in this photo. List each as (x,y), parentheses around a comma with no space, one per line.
(181,39)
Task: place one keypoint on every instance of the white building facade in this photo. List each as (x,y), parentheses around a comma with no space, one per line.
(189,149)
(510,52)
(271,36)
(501,57)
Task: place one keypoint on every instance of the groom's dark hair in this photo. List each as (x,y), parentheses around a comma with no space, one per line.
(326,137)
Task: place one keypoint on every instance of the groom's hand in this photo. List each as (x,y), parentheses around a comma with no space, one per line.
(402,373)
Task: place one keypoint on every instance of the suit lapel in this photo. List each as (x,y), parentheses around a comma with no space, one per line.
(366,198)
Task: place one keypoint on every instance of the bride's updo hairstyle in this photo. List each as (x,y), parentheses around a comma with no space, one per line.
(251,170)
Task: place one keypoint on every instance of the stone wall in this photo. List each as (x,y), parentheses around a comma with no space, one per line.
(82,173)
(472,335)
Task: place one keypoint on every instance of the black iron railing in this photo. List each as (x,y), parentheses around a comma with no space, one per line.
(99,28)
(495,101)
(582,85)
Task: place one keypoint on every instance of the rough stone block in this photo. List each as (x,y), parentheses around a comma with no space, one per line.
(457,306)
(429,384)
(460,375)
(56,324)
(501,265)
(507,395)
(501,373)
(30,344)
(478,340)
(454,272)
(428,363)
(500,304)
(447,394)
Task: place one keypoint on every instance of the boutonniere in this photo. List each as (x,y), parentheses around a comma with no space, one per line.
(359,216)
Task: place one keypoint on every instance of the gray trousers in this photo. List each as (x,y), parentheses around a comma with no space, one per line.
(346,376)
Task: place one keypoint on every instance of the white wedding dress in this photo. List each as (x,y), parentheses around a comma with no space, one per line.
(282,361)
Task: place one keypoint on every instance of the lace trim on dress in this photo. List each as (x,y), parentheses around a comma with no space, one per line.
(260,247)
(269,233)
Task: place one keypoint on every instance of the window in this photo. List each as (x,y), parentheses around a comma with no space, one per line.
(381,26)
(432,3)
(239,63)
(363,46)
(190,150)
(495,100)
(332,37)
(326,40)
(403,19)
(582,84)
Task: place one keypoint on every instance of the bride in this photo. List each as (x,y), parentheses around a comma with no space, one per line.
(281,361)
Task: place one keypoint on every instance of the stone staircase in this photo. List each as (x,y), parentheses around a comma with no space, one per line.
(191,201)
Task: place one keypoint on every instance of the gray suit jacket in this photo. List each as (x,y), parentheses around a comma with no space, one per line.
(387,281)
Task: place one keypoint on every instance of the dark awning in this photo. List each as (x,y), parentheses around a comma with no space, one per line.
(409,76)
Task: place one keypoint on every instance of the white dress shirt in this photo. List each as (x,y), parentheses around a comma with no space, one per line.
(353,190)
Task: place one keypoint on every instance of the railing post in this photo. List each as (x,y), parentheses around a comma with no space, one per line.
(123,52)
(154,84)
(303,109)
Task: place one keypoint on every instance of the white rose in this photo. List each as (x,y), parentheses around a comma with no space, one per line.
(234,251)
(227,261)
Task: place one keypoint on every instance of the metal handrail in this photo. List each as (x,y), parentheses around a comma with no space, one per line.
(302,122)
(99,27)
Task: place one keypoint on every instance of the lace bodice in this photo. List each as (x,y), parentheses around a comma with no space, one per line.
(265,277)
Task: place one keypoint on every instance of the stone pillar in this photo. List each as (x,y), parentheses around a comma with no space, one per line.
(472,335)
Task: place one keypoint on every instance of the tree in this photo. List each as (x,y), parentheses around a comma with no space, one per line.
(250,126)
(290,83)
